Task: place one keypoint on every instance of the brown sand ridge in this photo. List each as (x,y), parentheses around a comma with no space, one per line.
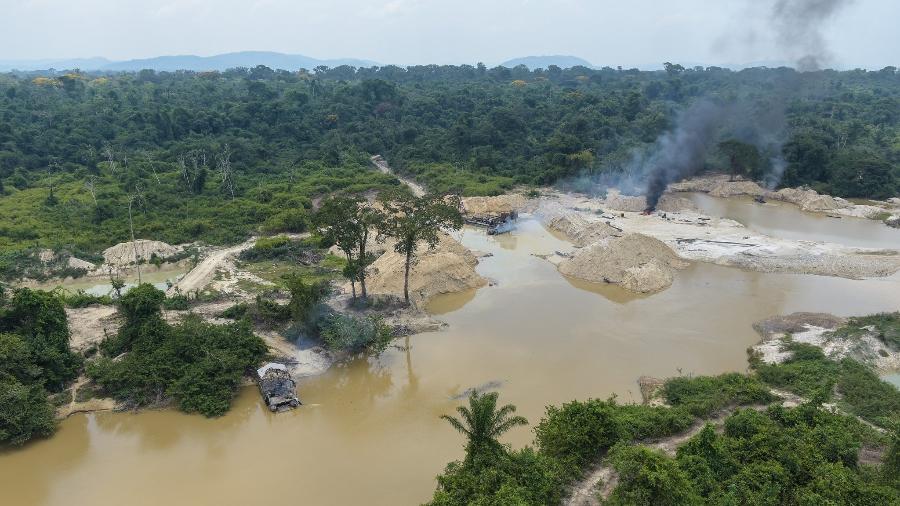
(634,261)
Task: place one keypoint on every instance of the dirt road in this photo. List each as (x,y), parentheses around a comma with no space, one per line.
(205,271)
(417,189)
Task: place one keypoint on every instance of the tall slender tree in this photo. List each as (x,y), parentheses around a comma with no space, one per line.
(413,220)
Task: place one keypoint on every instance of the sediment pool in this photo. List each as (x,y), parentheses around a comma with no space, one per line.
(370,433)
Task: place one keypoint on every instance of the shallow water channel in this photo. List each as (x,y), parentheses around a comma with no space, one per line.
(370,433)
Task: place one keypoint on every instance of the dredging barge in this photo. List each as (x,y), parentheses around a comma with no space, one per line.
(494,223)
(278,389)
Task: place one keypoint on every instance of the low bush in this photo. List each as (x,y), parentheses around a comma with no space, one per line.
(704,395)
(355,335)
(810,374)
(520,477)
(80,298)
(282,247)
(197,365)
(885,326)
(579,432)
(649,477)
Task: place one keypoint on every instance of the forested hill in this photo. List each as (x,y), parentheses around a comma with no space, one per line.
(215,156)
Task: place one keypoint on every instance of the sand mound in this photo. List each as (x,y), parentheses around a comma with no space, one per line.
(77,263)
(625,203)
(734,188)
(447,268)
(637,262)
(492,206)
(809,200)
(672,204)
(615,201)
(124,253)
(580,230)
(649,277)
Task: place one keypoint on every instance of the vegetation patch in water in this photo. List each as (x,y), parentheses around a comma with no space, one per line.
(197,364)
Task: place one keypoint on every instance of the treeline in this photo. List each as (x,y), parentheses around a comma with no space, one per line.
(214,156)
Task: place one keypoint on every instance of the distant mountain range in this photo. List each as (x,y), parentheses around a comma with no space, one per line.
(290,62)
(542,62)
(185,62)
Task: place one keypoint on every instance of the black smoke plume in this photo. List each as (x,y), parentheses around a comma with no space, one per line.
(796,26)
(681,152)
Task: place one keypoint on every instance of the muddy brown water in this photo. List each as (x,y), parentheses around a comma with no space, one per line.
(782,219)
(370,433)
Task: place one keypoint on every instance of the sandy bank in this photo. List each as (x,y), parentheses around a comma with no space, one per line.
(615,201)
(127,253)
(817,329)
(636,262)
(722,241)
(493,206)
(447,268)
(804,198)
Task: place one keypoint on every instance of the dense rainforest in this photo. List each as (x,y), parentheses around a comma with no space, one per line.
(214,156)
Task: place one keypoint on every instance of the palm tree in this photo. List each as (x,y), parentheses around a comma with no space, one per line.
(482,423)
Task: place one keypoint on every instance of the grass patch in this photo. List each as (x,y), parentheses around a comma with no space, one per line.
(885,326)
(812,375)
(704,395)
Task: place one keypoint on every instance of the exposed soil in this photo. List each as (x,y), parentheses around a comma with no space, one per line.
(126,253)
(722,241)
(804,198)
(816,329)
(448,267)
(493,206)
(89,325)
(204,272)
(635,261)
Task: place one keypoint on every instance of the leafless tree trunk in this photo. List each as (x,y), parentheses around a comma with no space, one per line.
(148,156)
(137,263)
(110,158)
(89,184)
(226,171)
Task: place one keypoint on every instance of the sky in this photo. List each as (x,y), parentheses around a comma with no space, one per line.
(860,33)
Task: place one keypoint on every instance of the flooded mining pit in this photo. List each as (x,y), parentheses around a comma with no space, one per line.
(369,431)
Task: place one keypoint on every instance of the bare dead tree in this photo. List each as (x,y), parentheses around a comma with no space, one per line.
(148,156)
(91,187)
(110,158)
(138,197)
(185,173)
(226,172)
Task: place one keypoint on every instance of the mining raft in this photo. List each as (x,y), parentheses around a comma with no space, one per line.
(277,387)
(494,223)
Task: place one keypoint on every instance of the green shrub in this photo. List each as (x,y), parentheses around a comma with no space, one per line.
(25,413)
(520,477)
(649,477)
(885,326)
(198,365)
(704,395)
(80,298)
(579,432)
(290,220)
(177,302)
(810,374)
(354,335)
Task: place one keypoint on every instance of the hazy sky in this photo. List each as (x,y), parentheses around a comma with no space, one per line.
(627,32)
